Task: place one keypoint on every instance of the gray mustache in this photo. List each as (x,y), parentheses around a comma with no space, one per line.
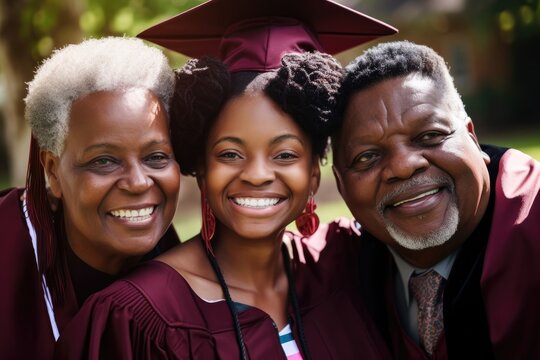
(407,185)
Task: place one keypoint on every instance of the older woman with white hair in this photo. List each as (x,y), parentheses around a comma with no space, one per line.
(99,117)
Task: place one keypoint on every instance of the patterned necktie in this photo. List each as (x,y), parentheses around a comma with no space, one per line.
(427,289)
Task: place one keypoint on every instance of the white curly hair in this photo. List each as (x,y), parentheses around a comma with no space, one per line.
(106,64)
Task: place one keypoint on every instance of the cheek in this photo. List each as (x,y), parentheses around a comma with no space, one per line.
(360,195)
(215,169)
(83,192)
(358,190)
(469,182)
(216,180)
(465,165)
(170,182)
(298,177)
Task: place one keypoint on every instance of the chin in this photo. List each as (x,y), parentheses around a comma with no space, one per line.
(430,239)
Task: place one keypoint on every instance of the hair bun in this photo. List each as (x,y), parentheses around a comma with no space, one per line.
(306,86)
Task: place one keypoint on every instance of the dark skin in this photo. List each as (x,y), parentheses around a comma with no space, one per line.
(255,152)
(405,128)
(117,158)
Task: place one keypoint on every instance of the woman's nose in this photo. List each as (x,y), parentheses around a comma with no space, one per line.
(258,172)
(135,179)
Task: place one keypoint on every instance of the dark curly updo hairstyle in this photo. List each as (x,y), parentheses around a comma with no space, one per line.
(305,87)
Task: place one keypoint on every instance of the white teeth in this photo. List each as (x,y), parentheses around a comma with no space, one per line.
(258,203)
(427,193)
(133,215)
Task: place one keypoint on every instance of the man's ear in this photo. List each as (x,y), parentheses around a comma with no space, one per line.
(51,163)
(339,181)
(472,134)
(470,130)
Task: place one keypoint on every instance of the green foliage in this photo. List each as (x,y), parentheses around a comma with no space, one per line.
(105,17)
(514,19)
(40,19)
(130,17)
(528,142)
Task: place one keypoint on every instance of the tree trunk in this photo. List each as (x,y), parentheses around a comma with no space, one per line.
(18,63)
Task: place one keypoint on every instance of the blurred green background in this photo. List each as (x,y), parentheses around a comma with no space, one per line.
(491,46)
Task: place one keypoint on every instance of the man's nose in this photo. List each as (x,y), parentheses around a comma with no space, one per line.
(403,163)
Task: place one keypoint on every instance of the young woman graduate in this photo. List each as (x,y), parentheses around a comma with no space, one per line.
(98,113)
(253,138)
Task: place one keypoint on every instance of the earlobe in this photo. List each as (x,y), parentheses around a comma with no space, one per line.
(470,130)
(50,163)
(486,158)
(472,134)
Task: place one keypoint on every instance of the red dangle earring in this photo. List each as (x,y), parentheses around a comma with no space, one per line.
(308,222)
(208,221)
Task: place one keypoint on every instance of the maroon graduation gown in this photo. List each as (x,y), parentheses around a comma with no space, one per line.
(25,328)
(491,302)
(510,279)
(154,314)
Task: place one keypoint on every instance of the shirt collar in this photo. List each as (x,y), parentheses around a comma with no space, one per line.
(406,270)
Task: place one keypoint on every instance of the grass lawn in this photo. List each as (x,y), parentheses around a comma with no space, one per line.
(529,144)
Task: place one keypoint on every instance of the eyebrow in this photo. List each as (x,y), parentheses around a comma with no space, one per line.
(430,117)
(427,119)
(109,146)
(232,139)
(275,140)
(284,137)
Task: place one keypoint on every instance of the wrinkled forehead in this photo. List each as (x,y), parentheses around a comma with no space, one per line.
(400,98)
(396,104)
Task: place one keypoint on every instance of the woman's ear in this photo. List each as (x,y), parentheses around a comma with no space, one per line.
(51,163)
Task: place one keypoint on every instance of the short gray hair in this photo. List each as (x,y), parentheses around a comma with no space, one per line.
(111,63)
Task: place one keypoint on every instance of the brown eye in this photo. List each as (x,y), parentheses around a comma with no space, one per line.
(229,155)
(286,155)
(102,164)
(431,138)
(157,160)
(365,160)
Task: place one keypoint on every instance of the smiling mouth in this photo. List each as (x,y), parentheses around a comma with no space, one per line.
(133,215)
(427,193)
(255,203)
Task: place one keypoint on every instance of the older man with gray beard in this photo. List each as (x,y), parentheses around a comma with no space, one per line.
(448,241)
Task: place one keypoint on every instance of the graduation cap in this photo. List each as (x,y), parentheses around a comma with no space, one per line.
(251,35)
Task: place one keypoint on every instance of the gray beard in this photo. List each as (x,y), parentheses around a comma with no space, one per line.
(433,238)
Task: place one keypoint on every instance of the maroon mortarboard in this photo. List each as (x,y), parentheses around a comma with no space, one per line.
(251,35)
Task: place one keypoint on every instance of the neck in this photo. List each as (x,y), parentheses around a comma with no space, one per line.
(109,264)
(429,257)
(249,264)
